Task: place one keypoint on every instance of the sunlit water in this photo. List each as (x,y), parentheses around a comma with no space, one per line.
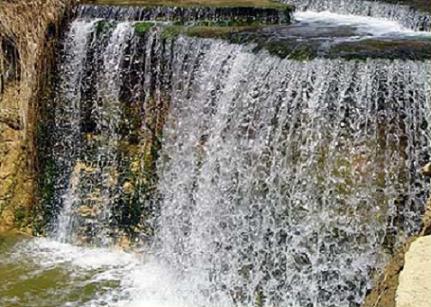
(363,26)
(402,14)
(45,273)
(279,181)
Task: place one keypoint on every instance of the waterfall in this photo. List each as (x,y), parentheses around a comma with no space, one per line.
(285,179)
(257,180)
(404,14)
(67,120)
(89,175)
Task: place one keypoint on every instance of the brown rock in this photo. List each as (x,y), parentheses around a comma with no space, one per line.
(426,170)
(128,187)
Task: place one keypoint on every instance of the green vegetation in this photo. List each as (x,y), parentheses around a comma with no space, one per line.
(220,32)
(143,27)
(215,32)
(102,26)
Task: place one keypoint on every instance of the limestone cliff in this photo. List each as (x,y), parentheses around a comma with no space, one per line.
(28,33)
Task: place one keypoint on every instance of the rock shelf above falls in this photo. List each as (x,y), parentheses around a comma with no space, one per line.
(300,35)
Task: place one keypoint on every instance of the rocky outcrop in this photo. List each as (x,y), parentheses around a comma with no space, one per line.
(405,282)
(414,288)
(28,34)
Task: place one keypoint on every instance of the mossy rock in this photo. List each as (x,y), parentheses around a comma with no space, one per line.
(103,26)
(143,27)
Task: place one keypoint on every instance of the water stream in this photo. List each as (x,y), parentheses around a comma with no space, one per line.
(244,179)
(403,14)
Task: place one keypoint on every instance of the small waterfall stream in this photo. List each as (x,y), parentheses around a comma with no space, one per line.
(404,14)
(242,179)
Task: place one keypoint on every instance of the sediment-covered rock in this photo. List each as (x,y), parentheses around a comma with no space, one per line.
(28,32)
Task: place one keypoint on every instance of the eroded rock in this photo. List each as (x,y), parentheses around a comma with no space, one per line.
(27,43)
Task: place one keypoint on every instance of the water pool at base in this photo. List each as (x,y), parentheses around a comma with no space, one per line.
(39,272)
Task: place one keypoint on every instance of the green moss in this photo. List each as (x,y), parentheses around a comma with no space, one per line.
(242,22)
(214,32)
(44,212)
(143,27)
(260,299)
(102,26)
(21,217)
(170,32)
(204,31)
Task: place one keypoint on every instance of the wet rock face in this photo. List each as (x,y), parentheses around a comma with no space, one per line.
(27,36)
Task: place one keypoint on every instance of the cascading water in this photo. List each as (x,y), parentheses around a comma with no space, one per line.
(104,122)
(285,180)
(404,14)
(68,130)
(279,181)
(245,179)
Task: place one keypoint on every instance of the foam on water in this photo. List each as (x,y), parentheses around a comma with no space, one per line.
(365,25)
(142,282)
(407,16)
(50,253)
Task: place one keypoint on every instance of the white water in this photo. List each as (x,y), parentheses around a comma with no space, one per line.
(143,282)
(403,14)
(278,178)
(72,76)
(364,25)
